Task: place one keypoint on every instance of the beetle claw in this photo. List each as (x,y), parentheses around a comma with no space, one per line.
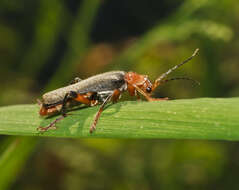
(43,129)
(92,128)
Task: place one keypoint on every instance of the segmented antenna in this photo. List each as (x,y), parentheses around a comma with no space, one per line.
(176,66)
(181,78)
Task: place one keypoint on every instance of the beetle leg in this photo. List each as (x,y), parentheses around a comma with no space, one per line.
(138,96)
(52,124)
(114,97)
(68,96)
(88,99)
(93,126)
(84,98)
(149,98)
(158,99)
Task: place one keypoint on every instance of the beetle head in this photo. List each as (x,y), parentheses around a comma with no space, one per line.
(135,80)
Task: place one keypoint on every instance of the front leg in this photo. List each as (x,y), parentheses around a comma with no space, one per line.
(148,97)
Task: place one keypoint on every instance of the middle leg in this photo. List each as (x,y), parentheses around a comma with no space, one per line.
(114,97)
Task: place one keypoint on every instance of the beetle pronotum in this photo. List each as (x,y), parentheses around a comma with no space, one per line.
(101,89)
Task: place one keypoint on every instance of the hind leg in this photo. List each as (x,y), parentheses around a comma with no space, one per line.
(72,95)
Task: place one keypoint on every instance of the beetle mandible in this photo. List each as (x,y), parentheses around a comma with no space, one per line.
(101,89)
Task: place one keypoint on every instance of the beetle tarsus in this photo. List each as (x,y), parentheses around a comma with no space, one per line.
(52,125)
(92,128)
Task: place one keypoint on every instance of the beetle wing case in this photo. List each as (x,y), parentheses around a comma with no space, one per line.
(108,81)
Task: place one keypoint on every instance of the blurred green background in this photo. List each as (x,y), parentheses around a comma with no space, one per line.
(45,44)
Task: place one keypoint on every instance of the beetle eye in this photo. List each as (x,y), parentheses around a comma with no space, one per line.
(148,89)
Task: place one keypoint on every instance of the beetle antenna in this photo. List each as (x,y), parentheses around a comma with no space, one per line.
(164,75)
(181,78)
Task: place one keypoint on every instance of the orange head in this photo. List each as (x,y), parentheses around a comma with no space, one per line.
(139,82)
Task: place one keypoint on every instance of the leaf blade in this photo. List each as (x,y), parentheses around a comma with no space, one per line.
(204,118)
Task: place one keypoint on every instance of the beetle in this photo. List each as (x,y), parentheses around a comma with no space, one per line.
(101,89)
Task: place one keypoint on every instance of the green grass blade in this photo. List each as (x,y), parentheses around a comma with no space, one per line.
(204,118)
